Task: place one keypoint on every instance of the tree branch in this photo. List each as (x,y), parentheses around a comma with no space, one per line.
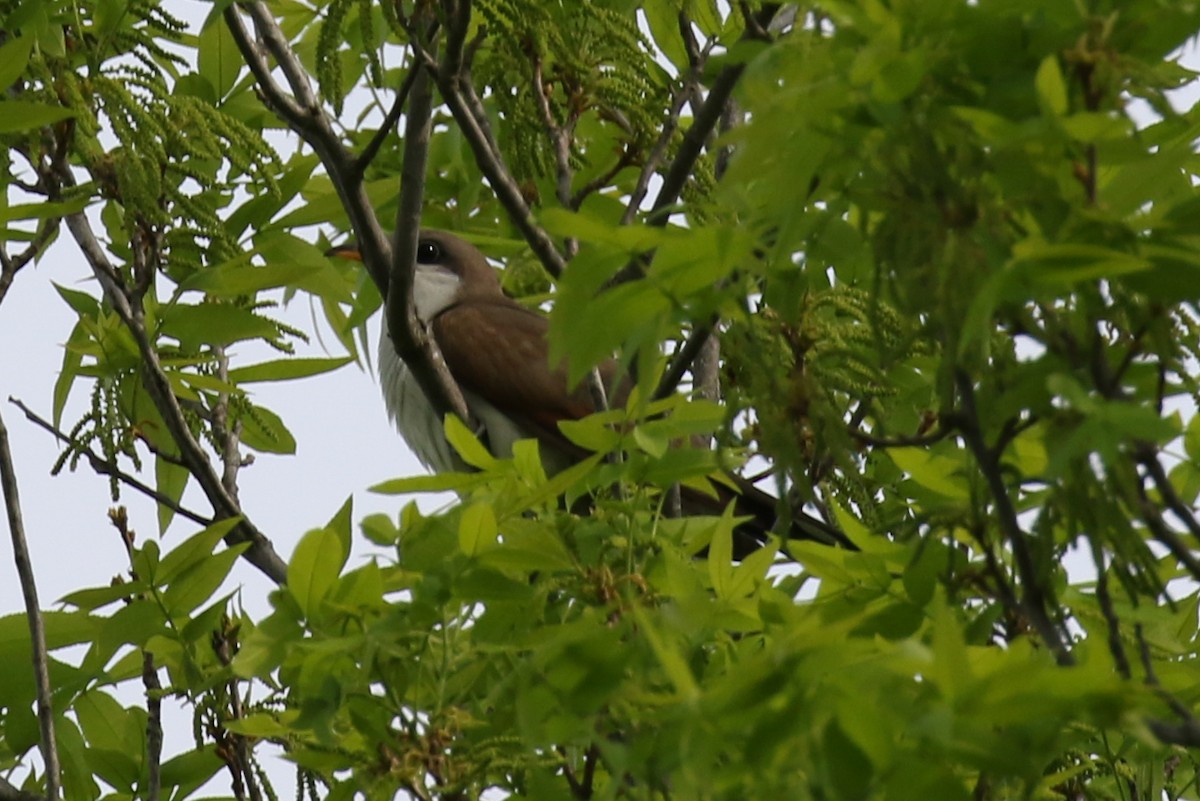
(1163,533)
(389,123)
(104,467)
(683,360)
(33,612)
(454,84)
(680,169)
(308,121)
(1115,646)
(1148,459)
(409,337)
(1033,595)
(261,552)
(658,152)
(9,792)
(9,267)
(702,125)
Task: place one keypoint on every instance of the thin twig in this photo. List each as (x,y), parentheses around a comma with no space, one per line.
(1115,646)
(602,180)
(1034,598)
(9,267)
(682,360)
(913,441)
(389,123)
(559,135)
(33,612)
(1149,460)
(1151,678)
(106,468)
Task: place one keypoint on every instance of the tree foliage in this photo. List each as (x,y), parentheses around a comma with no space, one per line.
(945,250)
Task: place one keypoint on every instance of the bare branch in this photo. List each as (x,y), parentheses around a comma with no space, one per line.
(106,468)
(694,140)
(1033,596)
(1165,535)
(560,135)
(1148,459)
(658,152)
(386,129)
(9,792)
(454,84)
(260,68)
(683,360)
(312,125)
(261,552)
(9,267)
(410,338)
(277,45)
(1115,646)
(33,612)
(602,180)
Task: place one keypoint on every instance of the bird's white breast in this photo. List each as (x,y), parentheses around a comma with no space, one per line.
(420,424)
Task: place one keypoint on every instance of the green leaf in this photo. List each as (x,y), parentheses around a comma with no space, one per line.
(1051,88)
(191,770)
(213,324)
(97,597)
(668,655)
(192,551)
(720,556)
(477,530)
(285,369)
(941,474)
(1132,185)
(439,482)
(170,479)
(44,210)
(14,57)
(467,445)
(264,431)
(239,277)
(25,115)
(217,58)
(314,568)
(108,725)
(196,584)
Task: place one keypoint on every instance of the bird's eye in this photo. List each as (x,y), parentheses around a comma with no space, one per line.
(428,252)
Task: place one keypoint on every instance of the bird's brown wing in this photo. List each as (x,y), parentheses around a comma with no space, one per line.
(498,349)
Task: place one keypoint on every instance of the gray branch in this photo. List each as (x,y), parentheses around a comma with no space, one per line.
(33,612)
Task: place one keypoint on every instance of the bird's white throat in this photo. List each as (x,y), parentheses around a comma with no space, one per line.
(434,290)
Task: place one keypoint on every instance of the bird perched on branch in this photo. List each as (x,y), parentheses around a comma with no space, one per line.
(498,353)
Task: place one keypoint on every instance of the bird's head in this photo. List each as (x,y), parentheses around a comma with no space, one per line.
(449,270)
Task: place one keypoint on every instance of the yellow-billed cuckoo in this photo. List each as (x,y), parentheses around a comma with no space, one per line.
(497,351)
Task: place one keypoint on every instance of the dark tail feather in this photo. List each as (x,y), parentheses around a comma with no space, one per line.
(763,510)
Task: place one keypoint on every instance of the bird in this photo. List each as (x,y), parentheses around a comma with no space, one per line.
(498,351)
